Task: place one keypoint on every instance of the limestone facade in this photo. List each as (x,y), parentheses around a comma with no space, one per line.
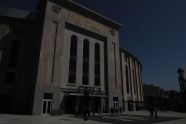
(70,57)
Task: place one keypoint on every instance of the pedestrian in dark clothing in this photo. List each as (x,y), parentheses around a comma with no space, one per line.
(111,110)
(120,110)
(88,112)
(155,112)
(151,111)
(85,112)
(76,111)
(99,110)
(79,111)
(93,111)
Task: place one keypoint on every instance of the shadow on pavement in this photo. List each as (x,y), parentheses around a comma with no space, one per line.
(131,119)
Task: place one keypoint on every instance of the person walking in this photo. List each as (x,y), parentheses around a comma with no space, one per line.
(76,111)
(111,110)
(89,110)
(120,109)
(85,112)
(93,111)
(151,109)
(80,111)
(155,112)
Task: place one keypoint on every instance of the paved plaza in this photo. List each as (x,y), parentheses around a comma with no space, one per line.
(124,118)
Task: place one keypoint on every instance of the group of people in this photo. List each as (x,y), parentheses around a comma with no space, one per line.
(84,112)
(118,110)
(153,111)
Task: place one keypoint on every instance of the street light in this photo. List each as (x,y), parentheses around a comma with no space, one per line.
(181,78)
(182,82)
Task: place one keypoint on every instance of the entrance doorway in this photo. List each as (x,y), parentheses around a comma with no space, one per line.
(116,104)
(47,103)
(130,105)
(80,101)
(137,106)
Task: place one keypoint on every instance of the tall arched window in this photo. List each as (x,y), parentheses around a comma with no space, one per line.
(72,61)
(130,77)
(127,78)
(134,81)
(85,80)
(86,49)
(97,52)
(97,65)
(73,46)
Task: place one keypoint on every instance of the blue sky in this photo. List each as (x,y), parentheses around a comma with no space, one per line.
(153,30)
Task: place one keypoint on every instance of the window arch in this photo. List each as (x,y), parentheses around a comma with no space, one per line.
(72,61)
(73,46)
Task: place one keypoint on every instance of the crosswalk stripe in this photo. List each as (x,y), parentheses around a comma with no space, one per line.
(143,119)
(132,117)
(121,119)
(126,118)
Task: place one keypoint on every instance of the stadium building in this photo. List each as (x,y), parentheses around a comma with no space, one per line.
(64,55)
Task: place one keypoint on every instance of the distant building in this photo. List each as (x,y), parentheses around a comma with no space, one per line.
(151,90)
(163,99)
(62,56)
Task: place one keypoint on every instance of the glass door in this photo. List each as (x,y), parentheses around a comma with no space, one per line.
(46,106)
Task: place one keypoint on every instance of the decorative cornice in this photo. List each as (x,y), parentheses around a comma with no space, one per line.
(68,4)
(56,9)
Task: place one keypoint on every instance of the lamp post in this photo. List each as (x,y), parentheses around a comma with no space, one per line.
(182,82)
(181,78)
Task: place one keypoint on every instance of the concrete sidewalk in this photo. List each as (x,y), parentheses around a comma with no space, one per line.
(70,119)
(163,114)
(181,121)
(45,119)
(160,114)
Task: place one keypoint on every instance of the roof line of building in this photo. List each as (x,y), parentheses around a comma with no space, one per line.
(134,57)
(88,13)
(97,13)
(14,12)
